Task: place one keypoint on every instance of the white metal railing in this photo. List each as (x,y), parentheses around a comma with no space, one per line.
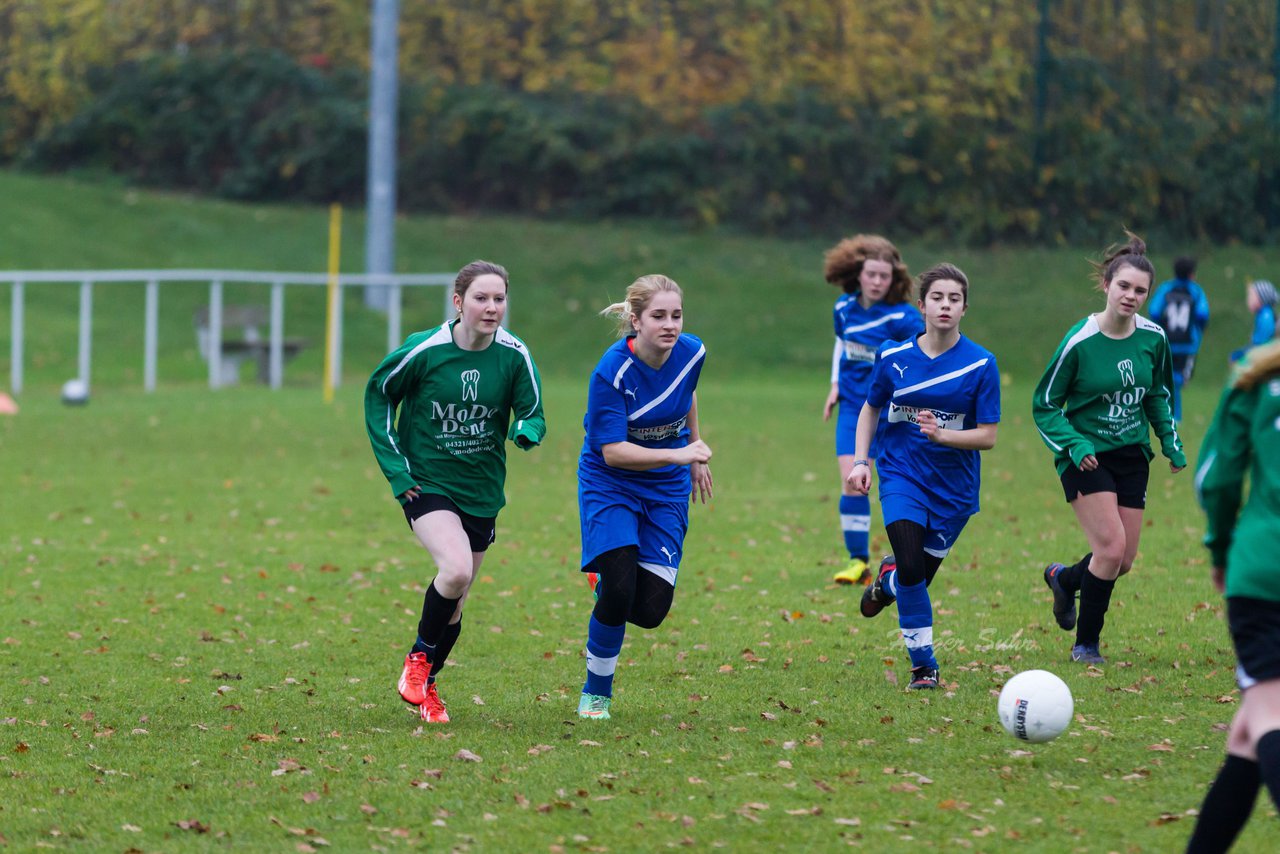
(277,281)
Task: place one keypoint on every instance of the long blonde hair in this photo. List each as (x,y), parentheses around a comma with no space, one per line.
(639,294)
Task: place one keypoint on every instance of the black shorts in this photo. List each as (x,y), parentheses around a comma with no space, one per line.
(1123,471)
(1255,631)
(481,530)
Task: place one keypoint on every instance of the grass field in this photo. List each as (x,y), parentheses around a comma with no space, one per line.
(205,597)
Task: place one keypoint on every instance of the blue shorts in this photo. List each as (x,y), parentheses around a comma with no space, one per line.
(940,533)
(847,429)
(614,520)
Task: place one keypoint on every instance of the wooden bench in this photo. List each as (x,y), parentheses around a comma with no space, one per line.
(242,340)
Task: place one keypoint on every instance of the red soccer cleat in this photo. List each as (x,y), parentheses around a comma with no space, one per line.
(433,710)
(413,679)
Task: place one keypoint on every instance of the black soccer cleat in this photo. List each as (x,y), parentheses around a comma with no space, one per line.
(1064,602)
(875,598)
(924,679)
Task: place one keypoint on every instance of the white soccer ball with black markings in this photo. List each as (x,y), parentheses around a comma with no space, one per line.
(1035,706)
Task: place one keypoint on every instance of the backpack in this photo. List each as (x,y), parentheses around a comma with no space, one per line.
(1179,306)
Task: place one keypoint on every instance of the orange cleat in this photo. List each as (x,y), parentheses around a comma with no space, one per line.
(413,679)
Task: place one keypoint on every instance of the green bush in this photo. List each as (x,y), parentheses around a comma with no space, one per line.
(245,126)
(259,126)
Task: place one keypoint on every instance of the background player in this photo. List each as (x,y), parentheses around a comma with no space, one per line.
(875,307)
(1182,310)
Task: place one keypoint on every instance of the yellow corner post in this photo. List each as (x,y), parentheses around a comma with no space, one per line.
(334,306)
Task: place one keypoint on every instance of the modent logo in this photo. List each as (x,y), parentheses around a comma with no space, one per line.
(470,385)
(1126,372)
(462,420)
(1122,401)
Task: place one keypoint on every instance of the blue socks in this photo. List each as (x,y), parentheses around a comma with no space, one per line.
(855,522)
(915,618)
(603,645)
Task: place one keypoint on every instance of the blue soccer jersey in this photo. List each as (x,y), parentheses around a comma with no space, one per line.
(859,334)
(962,388)
(628,401)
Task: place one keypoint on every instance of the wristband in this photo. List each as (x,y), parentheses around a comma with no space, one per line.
(857,463)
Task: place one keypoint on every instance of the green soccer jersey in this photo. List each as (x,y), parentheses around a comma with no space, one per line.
(1101,393)
(1244,438)
(456,410)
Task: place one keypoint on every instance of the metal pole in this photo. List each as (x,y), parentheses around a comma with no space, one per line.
(215,334)
(383,97)
(15,339)
(151,336)
(86,329)
(393,317)
(276,365)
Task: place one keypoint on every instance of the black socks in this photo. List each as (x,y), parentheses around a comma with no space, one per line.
(1095,598)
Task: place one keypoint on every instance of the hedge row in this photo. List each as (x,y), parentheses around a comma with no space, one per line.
(258,126)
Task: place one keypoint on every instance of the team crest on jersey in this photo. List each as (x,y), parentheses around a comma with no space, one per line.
(470,385)
(1125,368)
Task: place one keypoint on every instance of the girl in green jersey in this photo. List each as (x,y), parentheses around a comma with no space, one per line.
(1109,384)
(1244,439)
(462,389)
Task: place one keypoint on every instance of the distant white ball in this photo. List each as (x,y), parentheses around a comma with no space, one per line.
(75,392)
(1035,706)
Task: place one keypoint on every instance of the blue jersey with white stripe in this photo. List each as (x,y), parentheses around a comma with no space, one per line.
(859,334)
(628,401)
(962,388)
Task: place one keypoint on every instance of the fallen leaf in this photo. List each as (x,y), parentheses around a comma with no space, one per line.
(310,797)
(467,756)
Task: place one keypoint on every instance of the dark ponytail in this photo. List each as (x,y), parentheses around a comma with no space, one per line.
(1130,254)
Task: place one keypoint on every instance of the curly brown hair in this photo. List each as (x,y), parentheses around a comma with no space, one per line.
(843,265)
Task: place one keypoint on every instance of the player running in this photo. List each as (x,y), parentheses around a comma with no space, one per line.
(1109,384)
(942,392)
(875,307)
(1244,439)
(457,388)
(642,462)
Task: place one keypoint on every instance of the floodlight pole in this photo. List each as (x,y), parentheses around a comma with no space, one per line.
(380,234)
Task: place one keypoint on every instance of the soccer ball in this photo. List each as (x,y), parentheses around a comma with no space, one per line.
(1035,706)
(75,392)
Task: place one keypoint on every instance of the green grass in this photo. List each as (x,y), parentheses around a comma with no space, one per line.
(205,598)
(760,304)
(205,605)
